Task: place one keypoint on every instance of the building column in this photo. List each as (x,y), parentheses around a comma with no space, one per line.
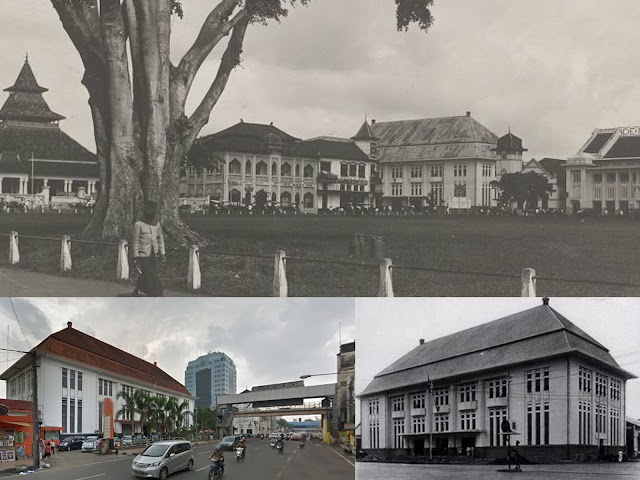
(1,178)
(585,202)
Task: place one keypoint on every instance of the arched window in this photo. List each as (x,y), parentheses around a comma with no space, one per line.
(247,168)
(274,198)
(247,198)
(234,166)
(297,197)
(274,169)
(298,170)
(308,171)
(261,168)
(234,196)
(285,199)
(285,170)
(308,200)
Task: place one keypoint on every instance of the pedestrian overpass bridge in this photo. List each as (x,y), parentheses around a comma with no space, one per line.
(280,395)
(303,410)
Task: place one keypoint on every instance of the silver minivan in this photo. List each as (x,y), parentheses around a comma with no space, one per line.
(161,459)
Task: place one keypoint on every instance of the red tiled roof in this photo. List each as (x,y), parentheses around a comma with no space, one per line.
(80,347)
(17,405)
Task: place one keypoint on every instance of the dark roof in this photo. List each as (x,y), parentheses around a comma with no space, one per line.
(331,147)
(625,147)
(26,81)
(25,100)
(10,163)
(597,142)
(365,133)
(555,167)
(64,169)
(434,139)
(247,137)
(49,143)
(539,332)
(78,346)
(509,143)
(348,347)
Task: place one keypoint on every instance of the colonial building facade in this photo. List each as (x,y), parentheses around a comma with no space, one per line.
(35,154)
(558,389)
(554,171)
(605,173)
(452,160)
(77,372)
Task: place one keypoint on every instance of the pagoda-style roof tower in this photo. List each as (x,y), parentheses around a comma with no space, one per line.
(365,133)
(509,143)
(25,102)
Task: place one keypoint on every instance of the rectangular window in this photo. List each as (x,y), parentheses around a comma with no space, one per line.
(361,171)
(442,423)
(546,424)
(418,400)
(325,167)
(64,379)
(537,424)
(584,380)
(416,171)
(436,193)
(529,382)
(537,376)
(467,392)
(79,416)
(416,189)
(344,169)
(575,176)
(397,403)
(72,415)
(467,420)
(353,170)
(398,432)
(419,424)
(529,424)
(64,414)
(497,388)
(396,172)
(396,189)
(460,170)
(100,416)
(436,170)
(79,384)
(496,416)
(441,396)
(72,379)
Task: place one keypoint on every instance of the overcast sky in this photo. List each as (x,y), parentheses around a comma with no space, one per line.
(552,70)
(270,340)
(387,329)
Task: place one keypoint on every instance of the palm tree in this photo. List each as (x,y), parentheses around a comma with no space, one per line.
(160,413)
(144,406)
(128,409)
(176,413)
(283,424)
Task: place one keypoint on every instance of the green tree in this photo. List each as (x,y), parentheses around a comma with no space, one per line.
(283,424)
(128,410)
(522,188)
(137,94)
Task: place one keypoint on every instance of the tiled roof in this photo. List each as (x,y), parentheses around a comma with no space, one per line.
(10,163)
(26,81)
(64,169)
(17,405)
(365,133)
(555,166)
(330,147)
(537,333)
(625,147)
(77,346)
(510,143)
(598,142)
(433,139)
(247,137)
(48,143)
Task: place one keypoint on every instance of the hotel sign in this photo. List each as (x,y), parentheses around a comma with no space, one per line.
(629,131)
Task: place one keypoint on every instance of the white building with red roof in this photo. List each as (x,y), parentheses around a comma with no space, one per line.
(77,372)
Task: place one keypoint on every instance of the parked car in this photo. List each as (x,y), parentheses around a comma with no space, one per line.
(127,441)
(161,459)
(230,442)
(71,443)
(90,444)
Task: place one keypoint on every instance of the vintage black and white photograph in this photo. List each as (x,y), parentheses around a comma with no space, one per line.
(319,148)
(479,387)
(144,388)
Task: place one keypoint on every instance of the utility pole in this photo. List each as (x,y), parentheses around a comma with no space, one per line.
(36,419)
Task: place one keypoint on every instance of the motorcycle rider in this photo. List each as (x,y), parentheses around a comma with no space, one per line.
(280,442)
(243,444)
(217,459)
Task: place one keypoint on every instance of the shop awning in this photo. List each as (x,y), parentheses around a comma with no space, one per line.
(21,424)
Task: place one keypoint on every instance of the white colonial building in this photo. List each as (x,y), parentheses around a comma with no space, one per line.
(77,372)
(605,173)
(557,389)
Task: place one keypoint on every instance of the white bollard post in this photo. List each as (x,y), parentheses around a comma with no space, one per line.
(65,253)
(280,287)
(14,252)
(528,282)
(122,269)
(194,280)
(386,280)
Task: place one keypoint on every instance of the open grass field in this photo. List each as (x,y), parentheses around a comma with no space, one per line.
(597,257)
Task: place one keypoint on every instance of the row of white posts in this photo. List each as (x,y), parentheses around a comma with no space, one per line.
(280,285)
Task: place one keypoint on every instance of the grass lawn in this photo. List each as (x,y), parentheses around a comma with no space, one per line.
(598,250)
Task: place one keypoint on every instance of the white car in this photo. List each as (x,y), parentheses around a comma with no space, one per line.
(162,459)
(90,444)
(127,441)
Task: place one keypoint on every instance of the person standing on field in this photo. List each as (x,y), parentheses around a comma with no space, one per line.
(148,244)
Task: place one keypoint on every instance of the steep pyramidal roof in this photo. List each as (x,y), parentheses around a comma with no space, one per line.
(539,332)
(365,133)
(509,143)
(25,100)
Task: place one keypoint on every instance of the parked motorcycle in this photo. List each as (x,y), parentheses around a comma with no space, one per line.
(239,454)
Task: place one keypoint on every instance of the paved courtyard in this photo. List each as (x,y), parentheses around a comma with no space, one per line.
(383,471)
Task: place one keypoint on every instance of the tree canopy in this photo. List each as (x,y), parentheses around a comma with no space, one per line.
(522,188)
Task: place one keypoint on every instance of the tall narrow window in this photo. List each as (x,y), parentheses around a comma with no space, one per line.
(64,379)
(72,379)
(64,414)
(529,424)
(546,424)
(79,416)
(72,415)
(537,424)
(79,384)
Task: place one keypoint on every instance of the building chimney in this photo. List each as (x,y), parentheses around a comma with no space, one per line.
(545,301)
(422,341)
(155,364)
(69,325)
(373,121)
(468,113)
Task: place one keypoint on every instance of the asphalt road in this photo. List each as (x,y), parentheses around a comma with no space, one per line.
(314,462)
(597,471)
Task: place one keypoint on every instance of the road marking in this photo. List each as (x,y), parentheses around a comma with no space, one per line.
(289,459)
(92,476)
(200,469)
(341,456)
(14,281)
(279,475)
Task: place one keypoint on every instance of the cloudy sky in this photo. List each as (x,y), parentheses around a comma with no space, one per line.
(387,329)
(270,340)
(552,70)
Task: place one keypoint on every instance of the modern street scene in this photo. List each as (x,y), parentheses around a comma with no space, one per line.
(544,388)
(90,398)
(319,148)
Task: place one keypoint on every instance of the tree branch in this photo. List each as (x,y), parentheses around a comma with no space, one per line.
(230,60)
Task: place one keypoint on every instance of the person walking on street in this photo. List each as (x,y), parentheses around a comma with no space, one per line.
(148,244)
(516,454)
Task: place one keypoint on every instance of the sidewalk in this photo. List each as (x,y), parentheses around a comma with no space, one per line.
(22,283)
